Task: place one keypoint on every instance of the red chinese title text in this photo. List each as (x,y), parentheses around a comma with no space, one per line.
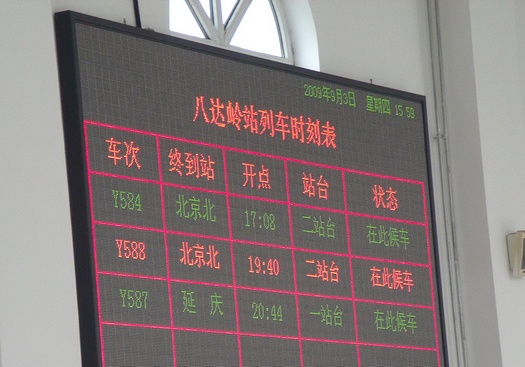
(258,121)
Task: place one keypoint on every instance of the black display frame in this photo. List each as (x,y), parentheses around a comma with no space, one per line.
(71,99)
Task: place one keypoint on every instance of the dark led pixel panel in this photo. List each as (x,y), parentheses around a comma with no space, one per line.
(233,211)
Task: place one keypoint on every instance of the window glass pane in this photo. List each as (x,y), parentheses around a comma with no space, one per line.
(206,5)
(227,7)
(182,20)
(258,30)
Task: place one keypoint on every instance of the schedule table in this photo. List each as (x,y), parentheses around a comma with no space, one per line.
(232,210)
(268,259)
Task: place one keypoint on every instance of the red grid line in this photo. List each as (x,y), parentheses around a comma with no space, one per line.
(392,303)
(392,261)
(273,336)
(369,344)
(124,177)
(234,277)
(95,260)
(431,278)
(389,219)
(258,198)
(349,247)
(294,264)
(128,226)
(267,290)
(397,346)
(167,253)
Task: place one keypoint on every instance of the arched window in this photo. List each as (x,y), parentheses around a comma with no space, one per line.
(255,25)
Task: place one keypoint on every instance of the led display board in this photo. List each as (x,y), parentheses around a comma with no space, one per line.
(229,210)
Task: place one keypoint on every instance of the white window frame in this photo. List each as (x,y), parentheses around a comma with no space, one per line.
(218,33)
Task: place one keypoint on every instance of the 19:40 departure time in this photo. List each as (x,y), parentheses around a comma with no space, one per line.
(258,266)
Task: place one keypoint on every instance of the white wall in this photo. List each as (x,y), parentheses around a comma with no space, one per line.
(468,185)
(484,89)
(497,48)
(38,320)
(484,51)
(375,39)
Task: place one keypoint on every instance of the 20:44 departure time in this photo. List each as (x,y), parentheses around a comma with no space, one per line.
(262,312)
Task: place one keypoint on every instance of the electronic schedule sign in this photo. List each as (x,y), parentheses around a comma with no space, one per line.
(228,210)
